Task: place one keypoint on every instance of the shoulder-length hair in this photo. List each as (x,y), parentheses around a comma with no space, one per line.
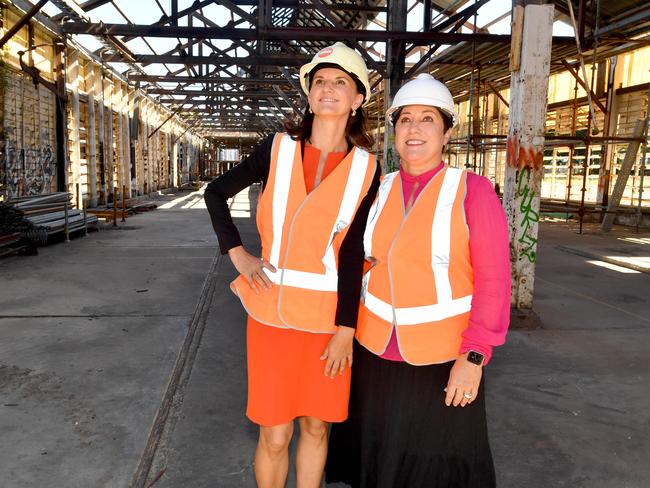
(356,132)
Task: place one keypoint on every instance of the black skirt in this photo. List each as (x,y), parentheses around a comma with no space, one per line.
(400,434)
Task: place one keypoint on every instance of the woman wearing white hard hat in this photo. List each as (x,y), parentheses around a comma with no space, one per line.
(302,293)
(434,303)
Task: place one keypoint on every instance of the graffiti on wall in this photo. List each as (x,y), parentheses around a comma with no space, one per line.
(522,154)
(529,217)
(27,170)
(526,160)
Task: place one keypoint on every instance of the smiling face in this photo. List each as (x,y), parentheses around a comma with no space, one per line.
(420,137)
(333,92)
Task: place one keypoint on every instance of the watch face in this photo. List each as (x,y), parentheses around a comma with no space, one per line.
(475,357)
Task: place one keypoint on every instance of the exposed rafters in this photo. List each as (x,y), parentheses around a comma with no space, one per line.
(244,60)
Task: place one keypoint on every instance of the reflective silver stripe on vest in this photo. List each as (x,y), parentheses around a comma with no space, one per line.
(417,315)
(353,188)
(440,248)
(441,234)
(375,210)
(281,183)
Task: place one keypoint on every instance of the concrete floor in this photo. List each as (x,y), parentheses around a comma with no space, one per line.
(91,332)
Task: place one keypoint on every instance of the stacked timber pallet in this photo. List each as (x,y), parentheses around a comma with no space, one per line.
(51,214)
(123,210)
(13,228)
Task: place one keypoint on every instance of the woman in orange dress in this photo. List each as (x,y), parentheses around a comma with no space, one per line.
(301,295)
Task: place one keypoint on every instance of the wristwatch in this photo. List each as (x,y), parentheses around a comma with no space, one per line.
(475,358)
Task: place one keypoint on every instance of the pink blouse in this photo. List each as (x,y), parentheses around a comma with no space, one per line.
(489,250)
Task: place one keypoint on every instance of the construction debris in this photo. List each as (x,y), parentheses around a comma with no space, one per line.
(27,221)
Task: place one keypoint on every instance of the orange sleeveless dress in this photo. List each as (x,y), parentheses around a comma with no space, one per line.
(286,376)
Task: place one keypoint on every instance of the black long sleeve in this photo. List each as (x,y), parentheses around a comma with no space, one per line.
(351,259)
(255,168)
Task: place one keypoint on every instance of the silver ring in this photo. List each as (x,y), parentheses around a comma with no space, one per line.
(467,395)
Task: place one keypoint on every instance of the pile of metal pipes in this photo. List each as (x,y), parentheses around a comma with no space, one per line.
(51,214)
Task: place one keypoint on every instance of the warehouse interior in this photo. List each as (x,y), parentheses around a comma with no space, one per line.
(111,109)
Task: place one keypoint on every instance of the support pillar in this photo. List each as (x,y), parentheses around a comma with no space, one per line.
(170,164)
(395,56)
(74,183)
(116,137)
(120,149)
(126,139)
(91,87)
(174,160)
(61,119)
(530,65)
(151,155)
(155,168)
(132,119)
(101,131)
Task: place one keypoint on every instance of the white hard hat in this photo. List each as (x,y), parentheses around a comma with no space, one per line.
(340,55)
(424,89)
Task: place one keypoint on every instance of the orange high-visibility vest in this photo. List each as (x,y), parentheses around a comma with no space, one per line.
(422,280)
(301,235)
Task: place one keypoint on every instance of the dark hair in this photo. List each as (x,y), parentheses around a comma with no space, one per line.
(446,119)
(356,132)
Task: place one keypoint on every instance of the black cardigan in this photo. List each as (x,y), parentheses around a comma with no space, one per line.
(255,168)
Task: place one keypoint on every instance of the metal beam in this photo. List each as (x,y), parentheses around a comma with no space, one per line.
(86,7)
(231,104)
(220,60)
(581,82)
(325,12)
(287,34)
(22,22)
(209,79)
(455,21)
(211,93)
(294,81)
(640,16)
(169,117)
(250,114)
(499,96)
(287,100)
(236,10)
(305,6)
(174,17)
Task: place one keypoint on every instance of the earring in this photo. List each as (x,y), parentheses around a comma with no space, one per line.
(310,110)
(354,112)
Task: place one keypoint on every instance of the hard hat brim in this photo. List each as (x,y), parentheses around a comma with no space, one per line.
(306,70)
(422,101)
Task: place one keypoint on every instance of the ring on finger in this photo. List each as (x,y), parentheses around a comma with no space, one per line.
(467,395)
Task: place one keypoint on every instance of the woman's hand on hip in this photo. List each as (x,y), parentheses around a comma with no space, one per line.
(464,381)
(251,268)
(338,351)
